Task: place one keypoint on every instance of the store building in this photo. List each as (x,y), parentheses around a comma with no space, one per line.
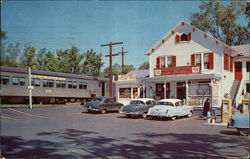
(191,65)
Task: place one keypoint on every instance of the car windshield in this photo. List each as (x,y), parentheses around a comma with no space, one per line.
(97,99)
(165,103)
(137,102)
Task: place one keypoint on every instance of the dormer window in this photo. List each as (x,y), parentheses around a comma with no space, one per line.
(183,38)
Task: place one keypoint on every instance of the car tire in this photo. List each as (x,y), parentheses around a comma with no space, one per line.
(173,117)
(103,111)
(144,115)
(128,115)
(190,114)
(243,131)
(89,111)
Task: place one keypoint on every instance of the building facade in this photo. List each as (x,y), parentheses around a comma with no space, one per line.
(191,65)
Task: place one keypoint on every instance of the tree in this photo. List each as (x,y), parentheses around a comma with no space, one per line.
(144,66)
(69,60)
(117,70)
(220,21)
(28,57)
(40,59)
(92,63)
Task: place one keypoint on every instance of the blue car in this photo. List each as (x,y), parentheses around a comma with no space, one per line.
(240,122)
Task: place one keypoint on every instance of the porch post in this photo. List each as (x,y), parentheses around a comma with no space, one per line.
(164,88)
(143,91)
(117,93)
(211,93)
(131,93)
(138,92)
(186,92)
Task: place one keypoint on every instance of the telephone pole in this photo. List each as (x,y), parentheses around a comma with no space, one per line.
(110,65)
(123,59)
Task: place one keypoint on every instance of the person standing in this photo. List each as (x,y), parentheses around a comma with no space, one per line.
(93,95)
(206,107)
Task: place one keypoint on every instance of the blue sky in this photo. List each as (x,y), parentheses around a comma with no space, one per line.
(88,24)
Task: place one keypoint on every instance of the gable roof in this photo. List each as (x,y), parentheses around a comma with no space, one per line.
(243,50)
(139,73)
(173,31)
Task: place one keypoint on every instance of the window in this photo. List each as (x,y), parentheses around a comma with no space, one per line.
(5,80)
(35,82)
(162,61)
(165,103)
(248,87)
(70,84)
(58,84)
(198,59)
(45,83)
(170,61)
(15,80)
(228,62)
(183,37)
(63,84)
(82,85)
(74,84)
(21,81)
(51,83)
(206,61)
(248,66)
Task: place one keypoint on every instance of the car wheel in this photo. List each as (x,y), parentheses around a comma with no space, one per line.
(144,115)
(89,111)
(173,117)
(103,111)
(190,114)
(243,131)
(128,115)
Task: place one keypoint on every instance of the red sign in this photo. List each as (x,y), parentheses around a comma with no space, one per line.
(177,70)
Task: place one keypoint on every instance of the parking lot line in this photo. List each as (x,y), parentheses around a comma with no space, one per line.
(6,117)
(28,114)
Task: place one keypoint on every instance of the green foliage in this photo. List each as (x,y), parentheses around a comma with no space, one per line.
(117,70)
(144,66)
(220,21)
(28,57)
(92,63)
(9,56)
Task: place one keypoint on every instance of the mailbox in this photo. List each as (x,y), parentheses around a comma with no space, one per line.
(226,110)
(245,106)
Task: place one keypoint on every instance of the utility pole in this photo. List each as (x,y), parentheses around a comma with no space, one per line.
(30,87)
(123,59)
(110,65)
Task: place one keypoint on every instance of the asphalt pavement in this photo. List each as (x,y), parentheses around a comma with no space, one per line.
(70,132)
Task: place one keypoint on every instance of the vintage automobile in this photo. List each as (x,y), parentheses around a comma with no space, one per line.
(103,104)
(138,107)
(240,122)
(170,108)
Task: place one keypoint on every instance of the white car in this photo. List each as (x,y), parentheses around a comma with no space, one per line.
(170,108)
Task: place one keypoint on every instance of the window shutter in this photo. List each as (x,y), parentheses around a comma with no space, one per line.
(225,63)
(189,37)
(158,62)
(177,38)
(193,59)
(174,61)
(211,61)
(231,64)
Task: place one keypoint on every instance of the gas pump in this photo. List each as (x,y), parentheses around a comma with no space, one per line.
(226,110)
(245,106)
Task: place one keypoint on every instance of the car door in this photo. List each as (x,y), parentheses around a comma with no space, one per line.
(106,104)
(178,109)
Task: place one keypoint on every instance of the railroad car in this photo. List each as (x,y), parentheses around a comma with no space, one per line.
(48,87)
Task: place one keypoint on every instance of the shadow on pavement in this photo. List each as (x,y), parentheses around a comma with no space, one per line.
(73,143)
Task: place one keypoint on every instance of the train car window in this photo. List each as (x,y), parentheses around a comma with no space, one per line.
(58,84)
(35,82)
(45,83)
(74,84)
(51,83)
(5,80)
(21,81)
(15,80)
(70,84)
(63,84)
(82,85)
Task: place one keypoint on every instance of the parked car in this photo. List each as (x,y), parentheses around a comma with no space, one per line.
(103,104)
(170,108)
(240,122)
(138,107)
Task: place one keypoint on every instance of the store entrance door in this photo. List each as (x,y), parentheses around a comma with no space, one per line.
(181,90)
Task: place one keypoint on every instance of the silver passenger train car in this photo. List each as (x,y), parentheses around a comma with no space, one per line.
(48,87)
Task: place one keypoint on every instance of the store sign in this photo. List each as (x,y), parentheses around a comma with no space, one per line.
(176,70)
(126,77)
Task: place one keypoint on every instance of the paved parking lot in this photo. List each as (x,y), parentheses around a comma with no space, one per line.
(70,132)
